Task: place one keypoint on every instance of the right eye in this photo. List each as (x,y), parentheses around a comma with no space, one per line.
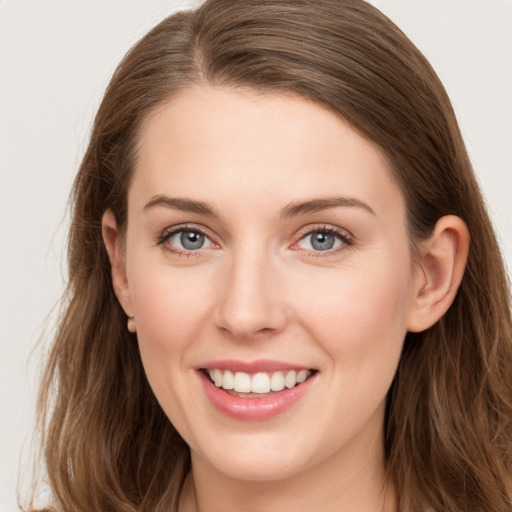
(185,240)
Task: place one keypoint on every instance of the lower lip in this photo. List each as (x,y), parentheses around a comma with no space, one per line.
(253,408)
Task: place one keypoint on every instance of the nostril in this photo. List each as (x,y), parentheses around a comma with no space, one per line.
(247,310)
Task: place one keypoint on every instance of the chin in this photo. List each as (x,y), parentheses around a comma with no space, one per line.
(258,457)
(259,469)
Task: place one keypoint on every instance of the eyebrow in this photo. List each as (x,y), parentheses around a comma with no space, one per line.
(182,204)
(294,209)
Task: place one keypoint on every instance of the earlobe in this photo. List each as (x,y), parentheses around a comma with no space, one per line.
(112,243)
(440,270)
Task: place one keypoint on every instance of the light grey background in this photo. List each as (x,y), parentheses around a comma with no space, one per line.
(55,60)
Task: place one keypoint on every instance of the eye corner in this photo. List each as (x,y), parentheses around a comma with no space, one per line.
(331,240)
(173,240)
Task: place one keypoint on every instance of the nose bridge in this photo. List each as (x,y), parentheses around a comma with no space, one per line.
(250,304)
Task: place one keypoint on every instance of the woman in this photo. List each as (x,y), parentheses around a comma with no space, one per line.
(273,298)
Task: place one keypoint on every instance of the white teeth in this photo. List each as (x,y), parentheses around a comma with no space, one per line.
(259,383)
(277,381)
(229,380)
(302,376)
(242,382)
(217,378)
(291,379)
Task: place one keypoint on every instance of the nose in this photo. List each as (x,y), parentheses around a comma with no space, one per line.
(250,305)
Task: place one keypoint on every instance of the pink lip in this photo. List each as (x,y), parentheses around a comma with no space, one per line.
(261,365)
(253,408)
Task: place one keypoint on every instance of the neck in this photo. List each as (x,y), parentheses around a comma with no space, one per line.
(330,486)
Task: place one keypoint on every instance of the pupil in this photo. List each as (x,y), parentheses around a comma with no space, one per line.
(322,241)
(192,240)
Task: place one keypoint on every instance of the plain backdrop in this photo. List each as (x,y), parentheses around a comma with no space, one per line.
(56,57)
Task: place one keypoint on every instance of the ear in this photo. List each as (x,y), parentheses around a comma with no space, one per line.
(441,267)
(112,242)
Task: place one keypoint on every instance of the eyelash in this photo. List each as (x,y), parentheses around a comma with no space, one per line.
(346,239)
(169,232)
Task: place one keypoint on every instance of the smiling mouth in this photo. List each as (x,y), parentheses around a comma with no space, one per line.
(257,385)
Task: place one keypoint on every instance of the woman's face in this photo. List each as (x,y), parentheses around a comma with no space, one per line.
(267,244)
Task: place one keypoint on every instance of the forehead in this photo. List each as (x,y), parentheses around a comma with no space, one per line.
(206,141)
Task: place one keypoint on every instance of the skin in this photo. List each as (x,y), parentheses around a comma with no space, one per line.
(258,289)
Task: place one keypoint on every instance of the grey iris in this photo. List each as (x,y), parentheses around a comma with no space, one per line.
(322,241)
(192,240)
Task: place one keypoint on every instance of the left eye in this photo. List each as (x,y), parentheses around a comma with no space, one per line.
(189,240)
(321,241)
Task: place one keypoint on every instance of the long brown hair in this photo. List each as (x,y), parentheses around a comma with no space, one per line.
(448,432)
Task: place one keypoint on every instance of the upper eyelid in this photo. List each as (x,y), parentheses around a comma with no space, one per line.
(312,228)
(186,227)
(347,239)
(299,234)
(315,228)
(169,231)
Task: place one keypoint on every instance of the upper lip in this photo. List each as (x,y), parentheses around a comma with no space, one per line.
(260,365)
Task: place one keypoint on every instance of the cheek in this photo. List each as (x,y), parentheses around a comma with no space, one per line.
(170,310)
(169,305)
(360,325)
(359,316)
